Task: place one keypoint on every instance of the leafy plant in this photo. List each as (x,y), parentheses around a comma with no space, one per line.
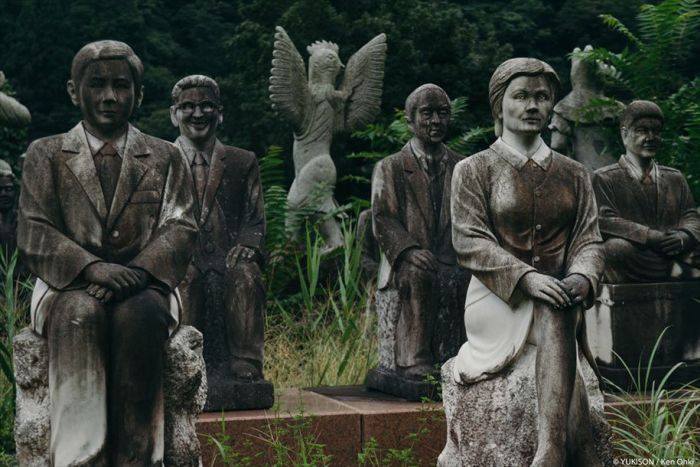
(666,426)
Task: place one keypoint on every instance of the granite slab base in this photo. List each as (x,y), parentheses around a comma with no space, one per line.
(227,393)
(390,382)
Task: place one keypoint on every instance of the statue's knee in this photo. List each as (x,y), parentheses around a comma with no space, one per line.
(413,276)
(618,248)
(246,274)
(77,308)
(146,309)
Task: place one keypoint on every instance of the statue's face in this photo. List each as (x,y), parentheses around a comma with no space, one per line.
(527,104)
(643,138)
(106,96)
(431,117)
(197,114)
(7,194)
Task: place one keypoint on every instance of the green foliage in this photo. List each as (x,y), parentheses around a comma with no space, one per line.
(657,65)
(665,427)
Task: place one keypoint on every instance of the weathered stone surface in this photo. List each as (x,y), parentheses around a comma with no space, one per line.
(391,382)
(494,422)
(185,388)
(226,393)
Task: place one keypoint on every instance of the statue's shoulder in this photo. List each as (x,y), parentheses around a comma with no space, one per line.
(240,154)
(609,170)
(670,170)
(159,147)
(570,164)
(483,158)
(46,147)
(395,160)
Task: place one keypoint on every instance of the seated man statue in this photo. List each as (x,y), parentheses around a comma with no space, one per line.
(224,278)
(647,213)
(411,222)
(106,224)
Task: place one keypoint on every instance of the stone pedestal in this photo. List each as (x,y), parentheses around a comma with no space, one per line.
(184,384)
(493,423)
(447,339)
(627,320)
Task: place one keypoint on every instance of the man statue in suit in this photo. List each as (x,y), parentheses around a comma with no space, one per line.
(647,212)
(225,274)
(411,222)
(106,224)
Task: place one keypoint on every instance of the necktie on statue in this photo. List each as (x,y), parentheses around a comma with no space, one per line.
(108,164)
(199,173)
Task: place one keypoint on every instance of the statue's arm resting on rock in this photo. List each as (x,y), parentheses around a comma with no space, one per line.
(46,250)
(176,228)
(585,254)
(391,234)
(611,222)
(475,243)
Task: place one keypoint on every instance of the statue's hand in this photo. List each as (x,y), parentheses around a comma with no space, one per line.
(100,292)
(545,288)
(654,239)
(676,242)
(121,280)
(237,254)
(420,258)
(577,287)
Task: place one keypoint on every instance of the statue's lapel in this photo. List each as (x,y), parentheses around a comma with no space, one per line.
(215,172)
(131,173)
(420,187)
(661,196)
(82,165)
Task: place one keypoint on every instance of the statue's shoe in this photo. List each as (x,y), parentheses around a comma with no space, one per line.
(246,371)
(416,371)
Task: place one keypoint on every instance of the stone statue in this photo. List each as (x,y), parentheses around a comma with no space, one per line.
(106,225)
(524,224)
(8,209)
(318,111)
(580,132)
(411,221)
(223,293)
(12,113)
(647,212)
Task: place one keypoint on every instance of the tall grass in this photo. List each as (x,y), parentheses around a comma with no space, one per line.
(664,425)
(322,335)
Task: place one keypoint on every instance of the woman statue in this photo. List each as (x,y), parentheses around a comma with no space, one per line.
(524,223)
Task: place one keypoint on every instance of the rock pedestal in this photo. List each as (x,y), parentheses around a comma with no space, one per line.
(447,339)
(627,320)
(493,423)
(184,385)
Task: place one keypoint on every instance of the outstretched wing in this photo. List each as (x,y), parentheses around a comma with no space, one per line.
(288,87)
(362,83)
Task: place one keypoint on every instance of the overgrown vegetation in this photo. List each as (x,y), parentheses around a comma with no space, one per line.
(666,426)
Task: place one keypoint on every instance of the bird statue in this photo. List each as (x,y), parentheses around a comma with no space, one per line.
(12,113)
(318,110)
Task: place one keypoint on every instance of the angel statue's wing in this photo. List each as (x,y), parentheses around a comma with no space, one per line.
(362,83)
(289,91)
(12,113)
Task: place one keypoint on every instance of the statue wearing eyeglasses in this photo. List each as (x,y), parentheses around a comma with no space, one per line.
(647,212)
(224,281)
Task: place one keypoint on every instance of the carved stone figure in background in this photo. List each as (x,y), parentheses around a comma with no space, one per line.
(223,293)
(411,220)
(318,111)
(8,209)
(12,113)
(647,212)
(106,224)
(524,223)
(580,133)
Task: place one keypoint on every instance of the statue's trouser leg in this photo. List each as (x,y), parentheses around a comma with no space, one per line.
(138,331)
(414,329)
(580,443)
(627,262)
(192,295)
(245,312)
(555,369)
(77,338)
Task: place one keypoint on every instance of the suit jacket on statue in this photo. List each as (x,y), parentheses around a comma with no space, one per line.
(403,216)
(65,225)
(232,211)
(625,211)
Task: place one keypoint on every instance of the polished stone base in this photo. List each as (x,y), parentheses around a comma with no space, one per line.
(627,321)
(390,382)
(232,394)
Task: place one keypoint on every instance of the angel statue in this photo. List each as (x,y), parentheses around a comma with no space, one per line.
(12,113)
(318,110)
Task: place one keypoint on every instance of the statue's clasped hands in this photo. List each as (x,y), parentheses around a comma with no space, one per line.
(564,293)
(422,259)
(109,280)
(670,243)
(239,253)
